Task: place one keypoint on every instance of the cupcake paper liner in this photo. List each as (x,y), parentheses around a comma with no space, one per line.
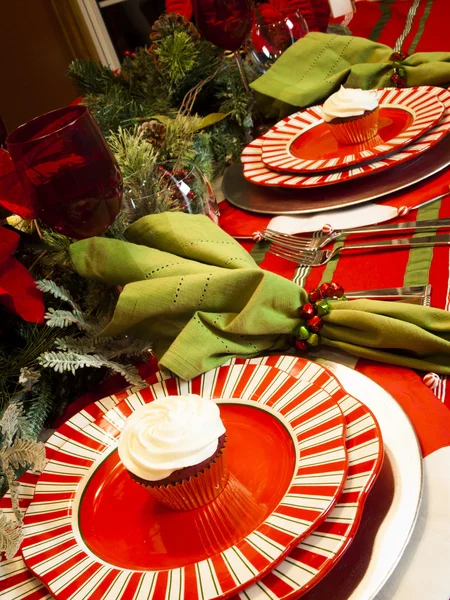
(197,490)
(357,130)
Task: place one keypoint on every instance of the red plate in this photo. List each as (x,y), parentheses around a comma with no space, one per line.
(256,171)
(303,142)
(91,530)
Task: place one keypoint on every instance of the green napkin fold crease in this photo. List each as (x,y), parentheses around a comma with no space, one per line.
(199,297)
(318,64)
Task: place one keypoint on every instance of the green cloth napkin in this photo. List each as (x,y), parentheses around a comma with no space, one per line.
(315,66)
(200,298)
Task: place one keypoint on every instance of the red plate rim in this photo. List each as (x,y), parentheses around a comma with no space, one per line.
(422,103)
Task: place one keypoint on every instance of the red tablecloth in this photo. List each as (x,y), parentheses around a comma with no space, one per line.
(421,26)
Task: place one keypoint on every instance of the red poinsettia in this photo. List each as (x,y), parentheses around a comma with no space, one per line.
(18,291)
(12,195)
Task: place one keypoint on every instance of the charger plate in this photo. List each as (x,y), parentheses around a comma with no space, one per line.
(255,171)
(275,201)
(90,532)
(303,142)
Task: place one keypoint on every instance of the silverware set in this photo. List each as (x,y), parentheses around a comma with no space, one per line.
(308,251)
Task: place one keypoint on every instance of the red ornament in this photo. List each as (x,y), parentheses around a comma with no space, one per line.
(335,290)
(396,56)
(301,345)
(398,81)
(315,324)
(315,296)
(324,289)
(306,311)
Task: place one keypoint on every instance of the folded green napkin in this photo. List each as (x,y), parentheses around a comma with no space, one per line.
(315,66)
(200,298)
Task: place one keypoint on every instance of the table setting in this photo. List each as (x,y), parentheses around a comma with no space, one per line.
(225,338)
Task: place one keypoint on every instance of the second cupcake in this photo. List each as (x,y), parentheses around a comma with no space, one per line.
(352,115)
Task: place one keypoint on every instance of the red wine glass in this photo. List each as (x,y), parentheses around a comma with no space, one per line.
(226,24)
(68,171)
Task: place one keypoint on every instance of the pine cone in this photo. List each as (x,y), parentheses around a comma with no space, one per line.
(153,132)
(169,23)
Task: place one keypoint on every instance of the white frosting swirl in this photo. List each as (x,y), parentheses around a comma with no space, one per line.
(349,102)
(170,434)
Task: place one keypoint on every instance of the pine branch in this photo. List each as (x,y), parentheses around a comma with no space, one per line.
(82,345)
(58,291)
(176,57)
(28,377)
(42,404)
(136,158)
(64,318)
(11,536)
(11,422)
(23,453)
(70,361)
(91,77)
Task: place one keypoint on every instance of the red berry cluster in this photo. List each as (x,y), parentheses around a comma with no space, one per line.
(312,313)
(398,77)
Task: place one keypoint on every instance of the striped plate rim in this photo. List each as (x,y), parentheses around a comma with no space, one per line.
(421,102)
(256,171)
(317,428)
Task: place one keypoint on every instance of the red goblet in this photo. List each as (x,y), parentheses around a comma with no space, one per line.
(67,170)
(226,24)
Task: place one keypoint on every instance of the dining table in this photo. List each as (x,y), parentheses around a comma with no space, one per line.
(422,573)
(408,26)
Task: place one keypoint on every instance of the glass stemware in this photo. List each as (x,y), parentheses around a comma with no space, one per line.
(226,24)
(271,39)
(67,171)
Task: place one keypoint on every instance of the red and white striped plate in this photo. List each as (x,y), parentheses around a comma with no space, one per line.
(256,171)
(19,583)
(295,434)
(302,142)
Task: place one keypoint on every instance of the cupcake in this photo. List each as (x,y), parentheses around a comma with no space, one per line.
(175,448)
(352,115)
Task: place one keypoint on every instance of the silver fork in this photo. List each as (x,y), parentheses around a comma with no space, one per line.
(287,240)
(315,258)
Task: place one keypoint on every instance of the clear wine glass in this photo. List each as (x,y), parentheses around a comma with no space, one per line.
(67,171)
(271,39)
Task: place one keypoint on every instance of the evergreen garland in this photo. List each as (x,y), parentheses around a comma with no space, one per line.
(179,80)
(178,104)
